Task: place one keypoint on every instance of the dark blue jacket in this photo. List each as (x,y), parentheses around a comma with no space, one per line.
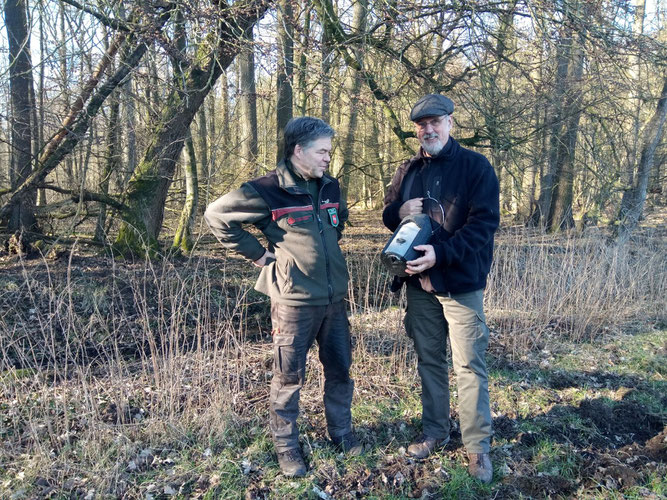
(467,187)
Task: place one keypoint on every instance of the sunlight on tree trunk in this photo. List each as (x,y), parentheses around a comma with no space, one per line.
(22,214)
(632,205)
(285,73)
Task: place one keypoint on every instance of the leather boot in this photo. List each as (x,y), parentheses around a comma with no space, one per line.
(348,444)
(425,445)
(291,463)
(480,467)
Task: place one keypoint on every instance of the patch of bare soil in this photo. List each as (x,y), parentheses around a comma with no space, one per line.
(623,422)
(541,486)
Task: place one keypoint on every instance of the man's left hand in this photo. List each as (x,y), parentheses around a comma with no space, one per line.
(421,264)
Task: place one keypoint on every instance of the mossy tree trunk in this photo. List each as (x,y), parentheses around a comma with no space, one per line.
(183,241)
(147,191)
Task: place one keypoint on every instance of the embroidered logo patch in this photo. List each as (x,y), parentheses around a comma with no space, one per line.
(333,216)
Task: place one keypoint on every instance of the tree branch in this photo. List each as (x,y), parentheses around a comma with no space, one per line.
(105,20)
(331,23)
(84,195)
(78,128)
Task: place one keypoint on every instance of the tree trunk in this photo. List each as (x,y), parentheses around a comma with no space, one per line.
(22,214)
(302,80)
(560,213)
(632,204)
(248,105)
(493,88)
(352,89)
(111,165)
(130,127)
(215,142)
(41,193)
(224,119)
(64,83)
(635,94)
(183,240)
(148,188)
(530,174)
(203,145)
(325,80)
(285,73)
(548,181)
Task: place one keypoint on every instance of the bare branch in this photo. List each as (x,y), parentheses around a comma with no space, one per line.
(84,195)
(105,20)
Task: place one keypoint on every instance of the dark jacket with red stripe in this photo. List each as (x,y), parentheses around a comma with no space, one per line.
(303,233)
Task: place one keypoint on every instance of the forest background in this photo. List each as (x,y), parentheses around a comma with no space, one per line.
(120,122)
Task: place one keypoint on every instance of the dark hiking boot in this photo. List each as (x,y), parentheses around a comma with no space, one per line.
(480,467)
(291,463)
(348,444)
(425,445)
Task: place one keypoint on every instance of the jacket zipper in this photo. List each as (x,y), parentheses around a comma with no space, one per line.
(324,244)
(320,226)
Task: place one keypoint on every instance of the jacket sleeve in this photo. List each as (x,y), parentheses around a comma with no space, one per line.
(393,200)
(227,215)
(343,215)
(481,223)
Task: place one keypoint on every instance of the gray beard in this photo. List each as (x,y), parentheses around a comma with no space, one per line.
(433,149)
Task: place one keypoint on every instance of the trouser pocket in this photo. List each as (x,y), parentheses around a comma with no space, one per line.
(286,359)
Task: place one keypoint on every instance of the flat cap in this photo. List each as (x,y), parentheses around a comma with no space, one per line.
(432,105)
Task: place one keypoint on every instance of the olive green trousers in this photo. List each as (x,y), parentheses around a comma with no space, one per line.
(430,319)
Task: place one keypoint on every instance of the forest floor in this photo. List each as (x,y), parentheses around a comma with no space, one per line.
(142,379)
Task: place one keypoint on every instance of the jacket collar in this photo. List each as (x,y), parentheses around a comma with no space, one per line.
(286,177)
(450,150)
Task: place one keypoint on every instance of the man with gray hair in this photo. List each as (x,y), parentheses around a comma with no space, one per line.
(458,189)
(299,209)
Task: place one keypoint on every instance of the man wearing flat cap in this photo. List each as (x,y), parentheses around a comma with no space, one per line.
(458,189)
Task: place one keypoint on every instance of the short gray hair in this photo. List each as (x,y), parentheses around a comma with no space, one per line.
(303,131)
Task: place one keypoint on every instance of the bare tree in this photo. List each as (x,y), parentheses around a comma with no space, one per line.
(632,204)
(149,186)
(285,72)
(248,103)
(22,214)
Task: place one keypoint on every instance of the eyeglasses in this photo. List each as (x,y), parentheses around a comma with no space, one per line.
(433,122)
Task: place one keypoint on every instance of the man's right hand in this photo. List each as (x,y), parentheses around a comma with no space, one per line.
(262,261)
(411,207)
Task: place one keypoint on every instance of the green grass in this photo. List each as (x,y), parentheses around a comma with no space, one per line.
(555,459)
(460,485)
(642,355)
